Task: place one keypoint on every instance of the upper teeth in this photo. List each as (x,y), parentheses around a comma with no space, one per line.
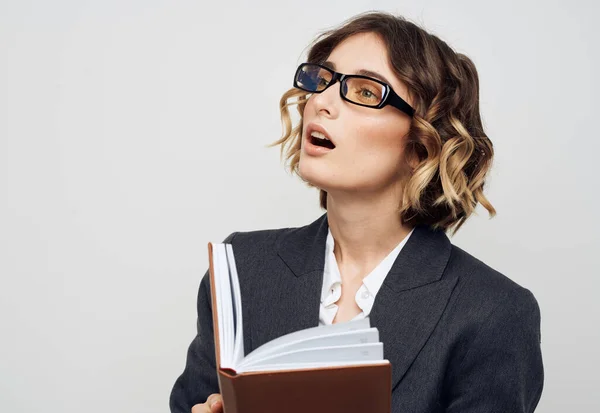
(318,135)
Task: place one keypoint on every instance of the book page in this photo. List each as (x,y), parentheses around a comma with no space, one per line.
(309,333)
(365,336)
(334,354)
(238,347)
(224,305)
(312,366)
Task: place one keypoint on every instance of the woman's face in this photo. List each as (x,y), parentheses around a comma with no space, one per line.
(369,143)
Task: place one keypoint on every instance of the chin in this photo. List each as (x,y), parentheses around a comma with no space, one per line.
(315,175)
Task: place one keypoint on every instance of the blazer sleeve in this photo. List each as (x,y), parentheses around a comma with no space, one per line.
(199,377)
(502,371)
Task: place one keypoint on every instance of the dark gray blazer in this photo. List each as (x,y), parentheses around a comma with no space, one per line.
(460,336)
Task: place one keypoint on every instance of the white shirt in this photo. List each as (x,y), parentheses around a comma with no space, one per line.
(365,296)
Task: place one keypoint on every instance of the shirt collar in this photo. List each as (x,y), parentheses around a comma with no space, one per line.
(331,274)
(372,282)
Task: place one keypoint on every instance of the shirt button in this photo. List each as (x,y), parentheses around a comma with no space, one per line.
(365,294)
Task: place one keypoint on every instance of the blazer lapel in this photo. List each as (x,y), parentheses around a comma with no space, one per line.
(412,298)
(303,249)
(288,299)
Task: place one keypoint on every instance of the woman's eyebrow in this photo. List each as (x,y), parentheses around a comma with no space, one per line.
(363,72)
(370,73)
(329,64)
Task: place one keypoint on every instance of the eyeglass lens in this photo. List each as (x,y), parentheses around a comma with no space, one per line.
(356,89)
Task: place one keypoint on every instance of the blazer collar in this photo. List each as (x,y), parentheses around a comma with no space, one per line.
(421,261)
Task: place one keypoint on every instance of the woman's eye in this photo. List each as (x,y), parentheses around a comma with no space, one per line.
(367,93)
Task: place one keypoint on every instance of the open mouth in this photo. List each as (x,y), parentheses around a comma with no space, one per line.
(319,139)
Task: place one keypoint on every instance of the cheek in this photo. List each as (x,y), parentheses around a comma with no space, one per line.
(381,141)
(308,106)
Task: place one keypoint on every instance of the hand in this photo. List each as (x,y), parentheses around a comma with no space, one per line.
(214,404)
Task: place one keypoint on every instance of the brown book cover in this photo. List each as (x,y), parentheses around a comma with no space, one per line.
(361,388)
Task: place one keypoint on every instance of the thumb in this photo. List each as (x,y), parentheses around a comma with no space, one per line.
(216,406)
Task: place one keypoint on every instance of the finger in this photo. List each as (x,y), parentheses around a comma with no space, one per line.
(201,408)
(217,407)
(210,400)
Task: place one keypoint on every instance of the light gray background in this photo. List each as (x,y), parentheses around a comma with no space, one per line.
(134,132)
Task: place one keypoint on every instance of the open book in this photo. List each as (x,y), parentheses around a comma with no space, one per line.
(334,368)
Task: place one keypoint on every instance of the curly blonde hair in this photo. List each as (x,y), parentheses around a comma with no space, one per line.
(446,146)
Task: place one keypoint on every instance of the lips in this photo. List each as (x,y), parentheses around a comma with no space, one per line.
(318,141)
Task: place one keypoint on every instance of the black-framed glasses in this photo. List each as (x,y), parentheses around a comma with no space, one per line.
(358,89)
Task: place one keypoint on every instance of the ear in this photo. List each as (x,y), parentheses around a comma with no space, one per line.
(411,160)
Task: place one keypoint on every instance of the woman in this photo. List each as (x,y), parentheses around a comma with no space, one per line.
(399,154)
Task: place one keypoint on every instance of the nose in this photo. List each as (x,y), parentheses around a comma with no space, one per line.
(328,101)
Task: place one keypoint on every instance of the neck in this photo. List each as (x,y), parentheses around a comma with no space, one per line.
(365,229)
